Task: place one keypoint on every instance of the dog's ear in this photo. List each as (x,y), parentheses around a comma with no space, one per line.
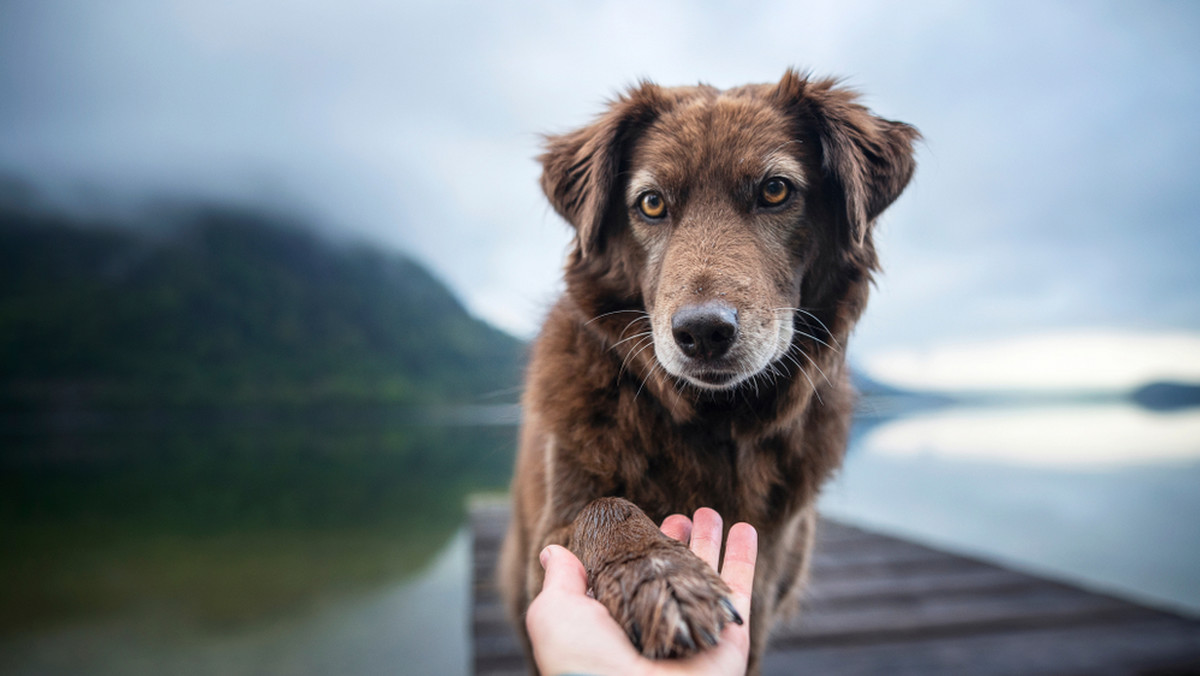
(580,168)
(866,159)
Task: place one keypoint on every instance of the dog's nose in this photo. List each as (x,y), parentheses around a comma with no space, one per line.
(705,331)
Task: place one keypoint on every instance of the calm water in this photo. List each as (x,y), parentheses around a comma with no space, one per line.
(256,547)
(1104,495)
(302,542)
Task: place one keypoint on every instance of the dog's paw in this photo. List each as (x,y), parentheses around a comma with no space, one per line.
(669,601)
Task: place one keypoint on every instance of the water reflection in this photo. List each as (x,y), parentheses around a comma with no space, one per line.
(1106,494)
(1080,436)
(396,628)
(280,543)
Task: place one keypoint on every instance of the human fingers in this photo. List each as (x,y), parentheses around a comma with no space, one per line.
(741,554)
(731,654)
(564,572)
(706,535)
(677,527)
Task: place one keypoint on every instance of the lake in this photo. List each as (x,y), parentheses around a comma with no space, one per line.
(317,542)
(218,542)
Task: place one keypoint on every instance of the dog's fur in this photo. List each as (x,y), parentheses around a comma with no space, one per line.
(622,400)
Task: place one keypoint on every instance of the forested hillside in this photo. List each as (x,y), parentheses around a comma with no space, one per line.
(214,305)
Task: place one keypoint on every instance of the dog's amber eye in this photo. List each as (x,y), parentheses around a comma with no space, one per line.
(774,192)
(653,205)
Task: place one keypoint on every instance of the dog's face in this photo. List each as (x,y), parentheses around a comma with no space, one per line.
(718,211)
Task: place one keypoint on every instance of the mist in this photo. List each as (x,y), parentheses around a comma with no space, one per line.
(1053,190)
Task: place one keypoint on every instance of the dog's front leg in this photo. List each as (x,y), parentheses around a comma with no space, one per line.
(669,601)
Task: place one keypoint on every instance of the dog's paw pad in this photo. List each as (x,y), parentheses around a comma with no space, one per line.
(670,603)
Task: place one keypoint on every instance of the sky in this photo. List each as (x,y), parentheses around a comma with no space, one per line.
(1054,194)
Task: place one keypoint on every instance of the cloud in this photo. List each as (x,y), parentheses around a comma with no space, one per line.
(1070,360)
(1054,187)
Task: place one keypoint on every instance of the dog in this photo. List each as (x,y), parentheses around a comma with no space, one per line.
(723,250)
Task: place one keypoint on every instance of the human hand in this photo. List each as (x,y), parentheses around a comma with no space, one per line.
(573,633)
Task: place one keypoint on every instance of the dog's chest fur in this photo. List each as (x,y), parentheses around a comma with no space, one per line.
(742,454)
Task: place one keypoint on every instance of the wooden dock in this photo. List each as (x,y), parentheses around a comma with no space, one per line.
(884,605)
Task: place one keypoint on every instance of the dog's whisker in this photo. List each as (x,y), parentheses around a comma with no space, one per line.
(637,349)
(813,385)
(793,360)
(614,312)
(809,335)
(825,328)
(806,375)
(776,372)
(695,395)
(642,334)
(625,361)
(633,321)
(633,355)
(816,366)
(800,368)
(653,367)
(815,318)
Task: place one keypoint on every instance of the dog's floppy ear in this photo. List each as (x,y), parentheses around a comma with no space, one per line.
(867,160)
(580,168)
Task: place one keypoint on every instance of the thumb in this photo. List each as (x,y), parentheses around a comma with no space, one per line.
(564,572)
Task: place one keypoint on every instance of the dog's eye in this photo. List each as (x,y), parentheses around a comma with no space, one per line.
(653,205)
(774,192)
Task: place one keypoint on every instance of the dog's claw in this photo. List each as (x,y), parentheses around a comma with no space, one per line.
(731,611)
(684,638)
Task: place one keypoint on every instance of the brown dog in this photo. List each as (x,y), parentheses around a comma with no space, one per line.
(723,253)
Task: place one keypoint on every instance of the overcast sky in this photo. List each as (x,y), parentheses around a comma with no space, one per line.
(1056,189)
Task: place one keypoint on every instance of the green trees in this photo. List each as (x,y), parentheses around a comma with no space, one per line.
(214,305)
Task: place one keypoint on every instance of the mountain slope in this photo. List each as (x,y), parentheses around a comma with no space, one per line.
(215,305)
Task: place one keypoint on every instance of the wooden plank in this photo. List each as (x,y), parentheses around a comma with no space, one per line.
(496,650)
(828,592)
(1148,647)
(884,605)
(904,555)
(946,616)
